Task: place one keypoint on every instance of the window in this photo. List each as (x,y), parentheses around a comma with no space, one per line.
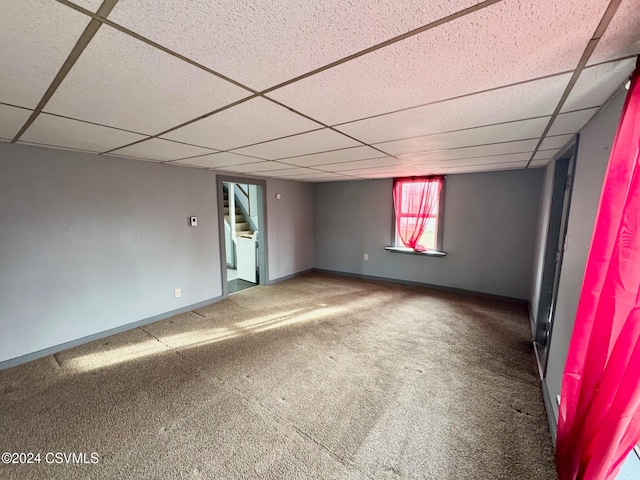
(418,207)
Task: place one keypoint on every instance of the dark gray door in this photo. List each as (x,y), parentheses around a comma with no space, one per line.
(554,251)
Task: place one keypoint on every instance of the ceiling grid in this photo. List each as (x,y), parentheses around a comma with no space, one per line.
(292,91)
(589,49)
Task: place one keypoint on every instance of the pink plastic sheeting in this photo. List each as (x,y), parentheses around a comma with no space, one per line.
(414,200)
(600,409)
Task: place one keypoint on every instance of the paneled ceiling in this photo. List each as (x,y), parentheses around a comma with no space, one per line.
(313,91)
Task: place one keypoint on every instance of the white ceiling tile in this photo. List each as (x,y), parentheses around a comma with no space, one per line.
(539,163)
(524,129)
(571,122)
(254,121)
(340,178)
(546,154)
(596,84)
(397,170)
(526,41)
(522,146)
(64,132)
(257,168)
(622,36)
(187,165)
(327,179)
(130,157)
(480,168)
(218,160)
(92,5)
(322,180)
(335,156)
(489,160)
(318,175)
(161,150)
(359,164)
(194,162)
(56,147)
(312,142)
(265,42)
(560,141)
(528,100)
(125,83)
(333,178)
(288,172)
(36,36)
(11,120)
(372,175)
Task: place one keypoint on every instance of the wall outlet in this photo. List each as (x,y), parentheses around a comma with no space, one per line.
(366,256)
(178,292)
(193,221)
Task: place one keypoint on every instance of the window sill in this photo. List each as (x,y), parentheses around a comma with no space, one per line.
(410,251)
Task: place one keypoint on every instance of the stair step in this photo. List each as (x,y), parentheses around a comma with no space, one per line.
(238,211)
(226,203)
(242,226)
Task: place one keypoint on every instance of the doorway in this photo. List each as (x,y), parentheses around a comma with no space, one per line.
(242,233)
(564,169)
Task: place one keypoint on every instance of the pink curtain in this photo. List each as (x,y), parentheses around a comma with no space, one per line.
(414,199)
(600,404)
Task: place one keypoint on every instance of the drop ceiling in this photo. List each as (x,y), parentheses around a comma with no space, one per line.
(313,91)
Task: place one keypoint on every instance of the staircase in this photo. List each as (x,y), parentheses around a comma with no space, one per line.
(243,228)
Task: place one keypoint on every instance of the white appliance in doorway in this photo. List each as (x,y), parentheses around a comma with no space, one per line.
(247,257)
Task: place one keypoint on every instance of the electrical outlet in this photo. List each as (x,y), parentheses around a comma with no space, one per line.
(366,256)
(178,292)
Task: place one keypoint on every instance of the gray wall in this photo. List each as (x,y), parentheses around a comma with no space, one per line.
(490,223)
(290,228)
(90,243)
(593,156)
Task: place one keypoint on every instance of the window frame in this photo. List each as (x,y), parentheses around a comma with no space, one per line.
(397,244)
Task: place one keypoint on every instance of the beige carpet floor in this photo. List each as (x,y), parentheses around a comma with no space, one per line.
(318,377)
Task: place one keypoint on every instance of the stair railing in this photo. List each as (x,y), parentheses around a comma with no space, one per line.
(246,194)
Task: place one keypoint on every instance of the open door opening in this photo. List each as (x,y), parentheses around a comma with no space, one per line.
(242,233)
